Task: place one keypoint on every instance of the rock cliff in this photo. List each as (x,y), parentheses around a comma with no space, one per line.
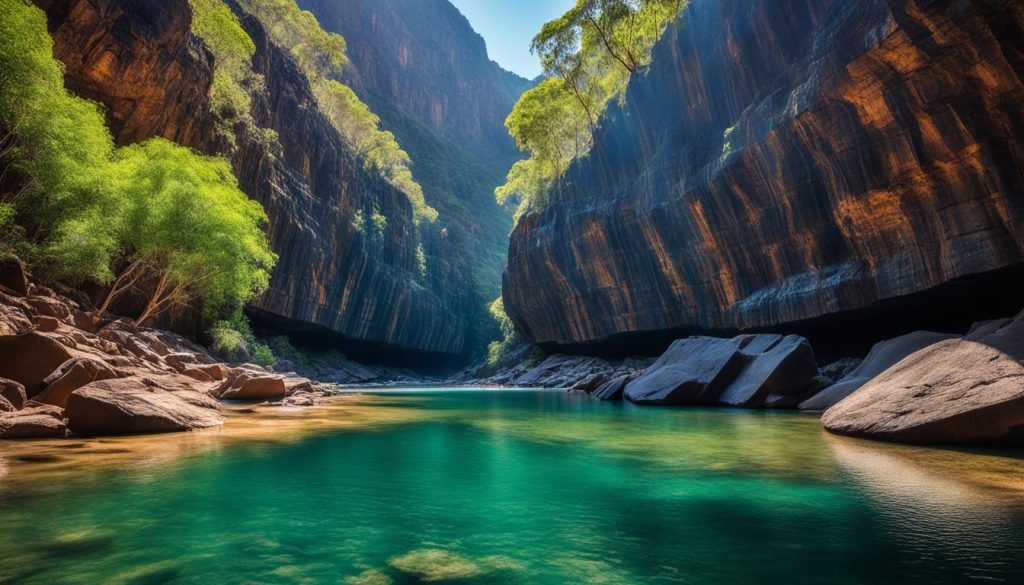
(141,61)
(426,73)
(785,160)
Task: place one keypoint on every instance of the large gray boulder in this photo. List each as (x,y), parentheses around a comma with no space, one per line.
(882,356)
(134,405)
(956,391)
(746,371)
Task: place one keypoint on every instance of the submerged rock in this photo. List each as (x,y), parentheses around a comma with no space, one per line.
(955,391)
(748,371)
(131,405)
(882,356)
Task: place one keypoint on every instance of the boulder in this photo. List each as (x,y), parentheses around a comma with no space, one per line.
(45,324)
(70,376)
(244,384)
(29,358)
(13,320)
(590,383)
(31,425)
(131,406)
(207,372)
(881,357)
(12,275)
(181,361)
(13,392)
(746,371)
(613,389)
(6,406)
(50,307)
(956,391)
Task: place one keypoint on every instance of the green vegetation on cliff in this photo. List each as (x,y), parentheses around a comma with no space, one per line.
(234,81)
(588,54)
(156,219)
(322,57)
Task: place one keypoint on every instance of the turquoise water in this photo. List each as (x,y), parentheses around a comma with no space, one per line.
(521,487)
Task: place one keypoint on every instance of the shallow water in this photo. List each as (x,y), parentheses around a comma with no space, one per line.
(507,487)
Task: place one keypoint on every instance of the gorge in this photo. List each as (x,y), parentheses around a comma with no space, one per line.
(743,269)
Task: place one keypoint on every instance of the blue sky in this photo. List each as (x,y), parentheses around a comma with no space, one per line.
(508,27)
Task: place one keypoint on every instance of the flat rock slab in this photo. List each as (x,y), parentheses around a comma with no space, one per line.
(131,406)
(743,371)
(957,391)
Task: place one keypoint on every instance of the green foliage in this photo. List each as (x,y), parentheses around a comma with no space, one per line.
(322,56)
(155,217)
(233,340)
(496,350)
(53,145)
(421,260)
(588,54)
(233,77)
(283,349)
(186,226)
(380,222)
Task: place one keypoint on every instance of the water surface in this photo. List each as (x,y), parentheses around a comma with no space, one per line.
(507,487)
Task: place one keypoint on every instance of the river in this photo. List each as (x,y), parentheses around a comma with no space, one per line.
(485,486)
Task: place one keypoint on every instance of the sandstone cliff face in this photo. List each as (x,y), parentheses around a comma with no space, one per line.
(784,160)
(426,73)
(139,59)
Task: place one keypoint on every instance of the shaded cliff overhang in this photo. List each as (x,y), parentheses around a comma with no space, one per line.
(785,161)
(140,60)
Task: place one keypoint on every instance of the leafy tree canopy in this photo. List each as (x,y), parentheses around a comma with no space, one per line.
(588,54)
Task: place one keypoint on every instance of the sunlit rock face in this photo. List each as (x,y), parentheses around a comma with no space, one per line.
(140,60)
(423,69)
(784,160)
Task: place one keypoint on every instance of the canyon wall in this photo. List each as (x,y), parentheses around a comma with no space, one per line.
(139,59)
(426,73)
(783,161)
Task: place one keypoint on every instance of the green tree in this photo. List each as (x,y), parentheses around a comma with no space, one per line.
(186,230)
(53,146)
(588,54)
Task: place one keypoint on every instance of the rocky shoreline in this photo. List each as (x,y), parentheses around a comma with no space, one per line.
(65,370)
(921,388)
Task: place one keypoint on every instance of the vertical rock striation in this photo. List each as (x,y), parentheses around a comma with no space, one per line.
(426,73)
(784,160)
(139,58)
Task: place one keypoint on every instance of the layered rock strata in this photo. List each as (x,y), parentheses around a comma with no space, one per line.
(784,160)
(141,61)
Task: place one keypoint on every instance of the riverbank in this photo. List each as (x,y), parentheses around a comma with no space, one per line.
(68,369)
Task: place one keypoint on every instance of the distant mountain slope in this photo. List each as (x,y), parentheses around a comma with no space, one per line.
(424,70)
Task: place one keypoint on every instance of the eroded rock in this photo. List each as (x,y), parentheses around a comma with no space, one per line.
(70,376)
(882,356)
(956,391)
(749,370)
(29,358)
(130,406)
